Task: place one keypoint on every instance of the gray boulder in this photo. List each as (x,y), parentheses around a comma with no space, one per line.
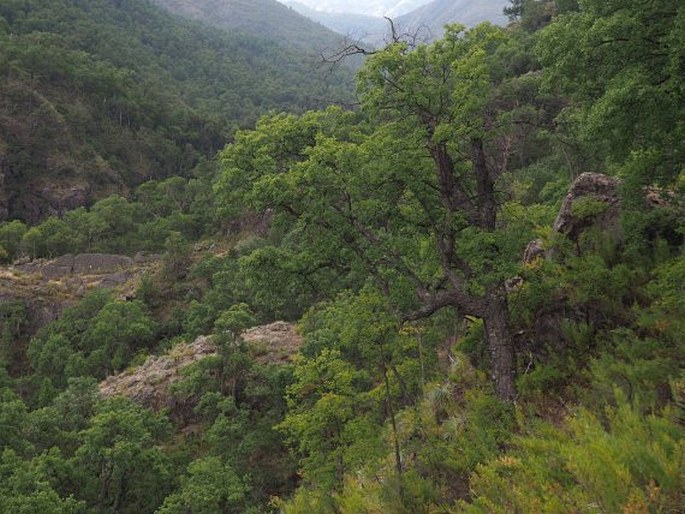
(592,200)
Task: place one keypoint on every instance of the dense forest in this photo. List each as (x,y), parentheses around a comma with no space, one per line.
(482,256)
(100,96)
(267,19)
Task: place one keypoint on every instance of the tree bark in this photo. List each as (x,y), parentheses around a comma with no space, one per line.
(501,346)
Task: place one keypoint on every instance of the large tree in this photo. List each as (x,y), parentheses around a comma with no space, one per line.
(412,194)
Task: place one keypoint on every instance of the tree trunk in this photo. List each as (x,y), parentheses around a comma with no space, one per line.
(501,345)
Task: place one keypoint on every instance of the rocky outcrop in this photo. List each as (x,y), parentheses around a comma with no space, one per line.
(592,200)
(35,201)
(82,264)
(47,287)
(150,383)
(60,198)
(100,263)
(533,250)
(273,343)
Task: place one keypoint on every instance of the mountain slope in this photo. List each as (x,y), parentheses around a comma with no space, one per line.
(266,19)
(97,96)
(427,21)
(373,8)
(434,16)
(359,26)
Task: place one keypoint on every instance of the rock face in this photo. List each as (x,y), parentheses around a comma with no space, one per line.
(273,343)
(82,264)
(47,287)
(100,263)
(533,250)
(57,198)
(592,200)
(34,201)
(149,384)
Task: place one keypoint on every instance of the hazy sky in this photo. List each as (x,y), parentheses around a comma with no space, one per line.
(371,7)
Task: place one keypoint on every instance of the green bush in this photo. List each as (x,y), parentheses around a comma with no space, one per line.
(623,461)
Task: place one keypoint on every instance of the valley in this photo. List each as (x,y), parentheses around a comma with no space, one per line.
(442,275)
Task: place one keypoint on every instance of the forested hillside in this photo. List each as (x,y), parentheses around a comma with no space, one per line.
(434,15)
(267,19)
(98,96)
(465,296)
(370,29)
(426,21)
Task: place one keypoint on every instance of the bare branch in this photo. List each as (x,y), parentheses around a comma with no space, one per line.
(353,46)
(347,51)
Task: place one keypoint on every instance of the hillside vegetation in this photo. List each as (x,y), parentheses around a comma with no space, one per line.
(432,17)
(99,96)
(426,21)
(484,263)
(266,19)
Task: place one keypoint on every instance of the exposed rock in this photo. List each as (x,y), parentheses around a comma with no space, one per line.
(63,197)
(658,197)
(39,199)
(149,384)
(48,287)
(533,250)
(100,263)
(115,279)
(276,342)
(513,284)
(82,264)
(592,200)
(58,268)
(146,257)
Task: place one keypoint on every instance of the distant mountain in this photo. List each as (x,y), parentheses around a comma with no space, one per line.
(431,18)
(97,96)
(355,26)
(427,21)
(374,8)
(266,19)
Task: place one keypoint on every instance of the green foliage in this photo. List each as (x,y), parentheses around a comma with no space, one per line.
(103,96)
(117,332)
(234,321)
(277,23)
(211,486)
(177,256)
(391,233)
(14,317)
(644,361)
(29,487)
(618,60)
(120,467)
(11,234)
(625,462)
(95,337)
(411,195)
(322,422)
(13,415)
(161,215)
(59,424)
